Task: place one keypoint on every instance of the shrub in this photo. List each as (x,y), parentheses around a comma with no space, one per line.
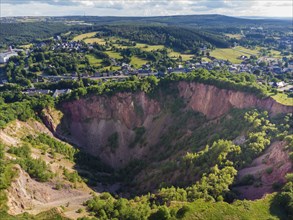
(181,213)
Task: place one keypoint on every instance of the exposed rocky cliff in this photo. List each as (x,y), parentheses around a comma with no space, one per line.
(214,102)
(92,122)
(106,126)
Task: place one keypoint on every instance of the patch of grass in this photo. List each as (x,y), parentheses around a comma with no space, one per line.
(113,54)
(232,54)
(137,62)
(247,51)
(283,99)
(175,55)
(84,36)
(27,46)
(120,46)
(95,40)
(112,68)
(94,61)
(205,59)
(146,47)
(236,36)
(258,209)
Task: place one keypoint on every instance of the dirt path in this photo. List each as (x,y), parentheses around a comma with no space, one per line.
(71,204)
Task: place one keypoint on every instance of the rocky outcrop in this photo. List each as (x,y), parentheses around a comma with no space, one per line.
(51,118)
(214,102)
(130,109)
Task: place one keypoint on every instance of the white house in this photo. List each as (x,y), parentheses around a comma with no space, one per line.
(4,57)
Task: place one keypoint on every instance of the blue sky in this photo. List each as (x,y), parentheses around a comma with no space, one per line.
(269,8)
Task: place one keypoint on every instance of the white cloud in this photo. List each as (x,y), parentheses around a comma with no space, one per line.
(146,7)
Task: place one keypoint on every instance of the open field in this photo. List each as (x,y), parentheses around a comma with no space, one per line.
(88,38)
(146,47)
(205,59)
(112,68)
(84,36)
(236,36)
(258,209)
(137,62)
(113,54)
(93,60)
(95,40)
(275,54)
(120,46)
(283,99)
(26,46)
(175,55)
(233,54)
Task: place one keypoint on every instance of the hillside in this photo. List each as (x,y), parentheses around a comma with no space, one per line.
(213,20)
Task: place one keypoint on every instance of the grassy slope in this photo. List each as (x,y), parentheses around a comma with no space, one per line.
(147,47)
(84,36)
(176,55)
(114,55)
(283,99)
(137,62)
(95,40)
(89,38)
(232,54)
(94,61)
(236,36)
(258,209)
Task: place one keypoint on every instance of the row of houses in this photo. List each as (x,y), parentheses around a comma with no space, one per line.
(55,93)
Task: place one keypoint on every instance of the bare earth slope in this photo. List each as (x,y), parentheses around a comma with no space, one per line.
(26,194)
(270,168)
(214,102)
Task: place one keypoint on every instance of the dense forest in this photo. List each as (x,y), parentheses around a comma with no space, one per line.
(181,39)
(27,32)
(202,21)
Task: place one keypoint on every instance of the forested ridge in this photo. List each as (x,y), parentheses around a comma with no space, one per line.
(179,38)
(27,32)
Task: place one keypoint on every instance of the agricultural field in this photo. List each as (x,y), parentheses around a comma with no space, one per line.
(236,36)
(84,36)
(205,59)
(233,54)
(93,60)
(175,55)
(146,47)
(26,46)
(89,38)
(113,54)
(137,62)
(95,40)
(112,68)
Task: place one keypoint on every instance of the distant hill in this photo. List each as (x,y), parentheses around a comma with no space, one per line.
(190,20)
(26,29)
